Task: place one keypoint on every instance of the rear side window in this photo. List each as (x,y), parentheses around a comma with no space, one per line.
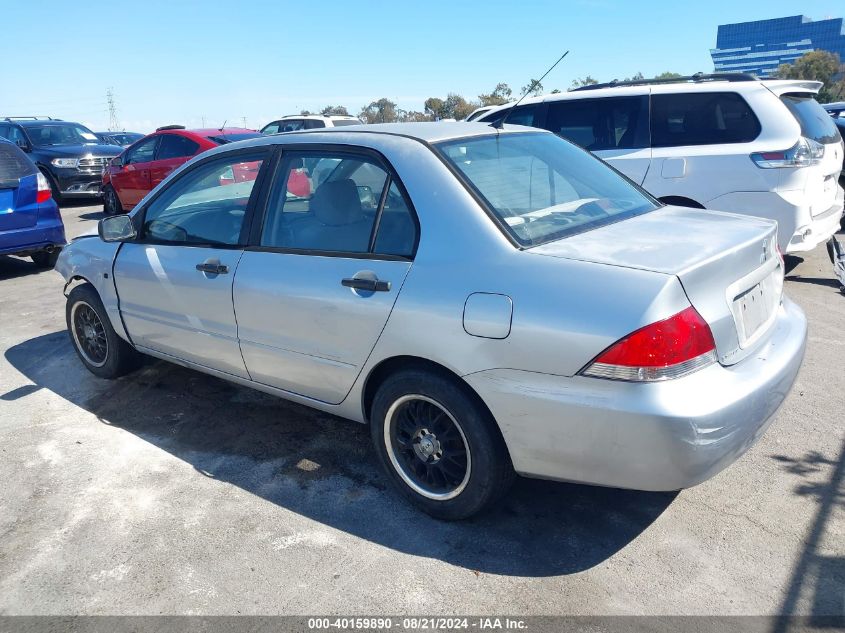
(815,122)
(175,146)
(311,124)
(703,118)
(597,124)
(14,165)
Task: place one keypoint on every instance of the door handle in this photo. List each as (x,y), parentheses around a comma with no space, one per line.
(373,285)
(213,269)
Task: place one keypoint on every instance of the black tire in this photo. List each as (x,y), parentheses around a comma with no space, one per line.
(43,259)
(55,192)
(111,203)
(99,348)
(428,472)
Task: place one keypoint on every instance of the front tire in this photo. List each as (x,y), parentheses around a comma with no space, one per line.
(96,343)
(439,446)
(111,203)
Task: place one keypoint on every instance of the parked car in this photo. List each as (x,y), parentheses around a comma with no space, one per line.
(295,122)
(726,141)
(147,162)
(69,155)
(30,222)
(836,110)
(124,139)
(557,322)
(479,112)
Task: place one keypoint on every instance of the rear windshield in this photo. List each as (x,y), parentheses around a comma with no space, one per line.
(342,122)
(14,165)
(541,188)
(232,138)
(815,122)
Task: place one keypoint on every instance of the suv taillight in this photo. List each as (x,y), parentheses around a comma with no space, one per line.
(44,192)
(804,153)
(667,349)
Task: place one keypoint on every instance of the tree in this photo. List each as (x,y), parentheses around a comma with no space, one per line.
(532,89)
(817,66)
(456,107)
(501,94)
(337,110)
(305,112)
(636,77)
(668,75)
(411,116)
(435,108)
(381,111)
(586,81)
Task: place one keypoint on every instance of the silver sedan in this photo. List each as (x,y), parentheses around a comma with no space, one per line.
(490,302)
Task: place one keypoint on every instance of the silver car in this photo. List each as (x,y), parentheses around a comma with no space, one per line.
(489,302)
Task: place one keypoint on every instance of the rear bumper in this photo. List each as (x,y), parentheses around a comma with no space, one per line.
(46,234)
(658,436)
(798,229)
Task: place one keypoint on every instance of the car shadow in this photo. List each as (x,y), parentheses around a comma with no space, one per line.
(14,267)
(72,203)
(323,467)
(819,281)
(94,215)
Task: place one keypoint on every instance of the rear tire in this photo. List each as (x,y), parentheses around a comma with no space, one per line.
(439,446)
(43,259)
(96,343)
(111,202)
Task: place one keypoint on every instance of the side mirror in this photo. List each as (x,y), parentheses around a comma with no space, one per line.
(118,228)
(117,161)
(22,144)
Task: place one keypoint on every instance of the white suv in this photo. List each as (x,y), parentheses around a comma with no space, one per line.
(727,142)
(294,122)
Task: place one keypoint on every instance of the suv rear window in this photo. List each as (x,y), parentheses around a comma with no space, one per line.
(701,118)
(14,165)
(815,122)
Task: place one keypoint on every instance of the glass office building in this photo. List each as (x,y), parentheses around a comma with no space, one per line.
(760,47)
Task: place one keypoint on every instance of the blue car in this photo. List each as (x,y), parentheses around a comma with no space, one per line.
(30,223)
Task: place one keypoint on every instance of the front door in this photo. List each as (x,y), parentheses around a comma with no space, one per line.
(175,280)
(131,179)
(312,297)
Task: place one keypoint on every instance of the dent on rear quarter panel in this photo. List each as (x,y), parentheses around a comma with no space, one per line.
(91,259)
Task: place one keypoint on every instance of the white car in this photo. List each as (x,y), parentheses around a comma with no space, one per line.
(296,122)
(728,142)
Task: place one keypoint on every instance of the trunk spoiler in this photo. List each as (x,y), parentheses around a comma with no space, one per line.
(784,86)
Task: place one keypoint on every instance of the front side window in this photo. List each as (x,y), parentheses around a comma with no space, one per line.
(601,124)
(61,134)
(271,128)
(143,152)
(313,124)
(521,115)
(340,203)
(12,133)
(175,146)
(207,205)
(291,125)
(701,118)
(816,123)
(541,188)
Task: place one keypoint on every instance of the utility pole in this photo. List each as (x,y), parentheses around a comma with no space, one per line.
(243,118)
(114,126)
(203,120)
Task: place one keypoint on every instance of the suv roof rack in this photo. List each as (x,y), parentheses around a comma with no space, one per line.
(30,118)
(696,78)
(170,127)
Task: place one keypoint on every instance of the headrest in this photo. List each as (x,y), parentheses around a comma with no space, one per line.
(336,203)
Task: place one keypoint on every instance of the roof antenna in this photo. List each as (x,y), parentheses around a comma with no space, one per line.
(501,123)
(220,129)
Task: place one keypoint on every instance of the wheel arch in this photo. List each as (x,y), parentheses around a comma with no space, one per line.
(681,201)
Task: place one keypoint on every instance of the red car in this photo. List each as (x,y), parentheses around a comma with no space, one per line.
(144,164)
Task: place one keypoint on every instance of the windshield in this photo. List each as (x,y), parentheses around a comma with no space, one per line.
(815,122)
(60,134)
(231,138)
(542,188)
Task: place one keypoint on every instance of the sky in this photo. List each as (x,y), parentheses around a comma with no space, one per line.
(194,62)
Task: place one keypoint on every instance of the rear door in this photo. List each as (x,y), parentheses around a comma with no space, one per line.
(131,180)
(314,291)
(173,151)
(18,189)
(175,280)
(613,128)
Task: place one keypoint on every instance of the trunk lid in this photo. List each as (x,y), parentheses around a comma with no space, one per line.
(727,264)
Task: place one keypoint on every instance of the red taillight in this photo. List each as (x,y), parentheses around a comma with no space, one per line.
(44,193)
(666,349)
